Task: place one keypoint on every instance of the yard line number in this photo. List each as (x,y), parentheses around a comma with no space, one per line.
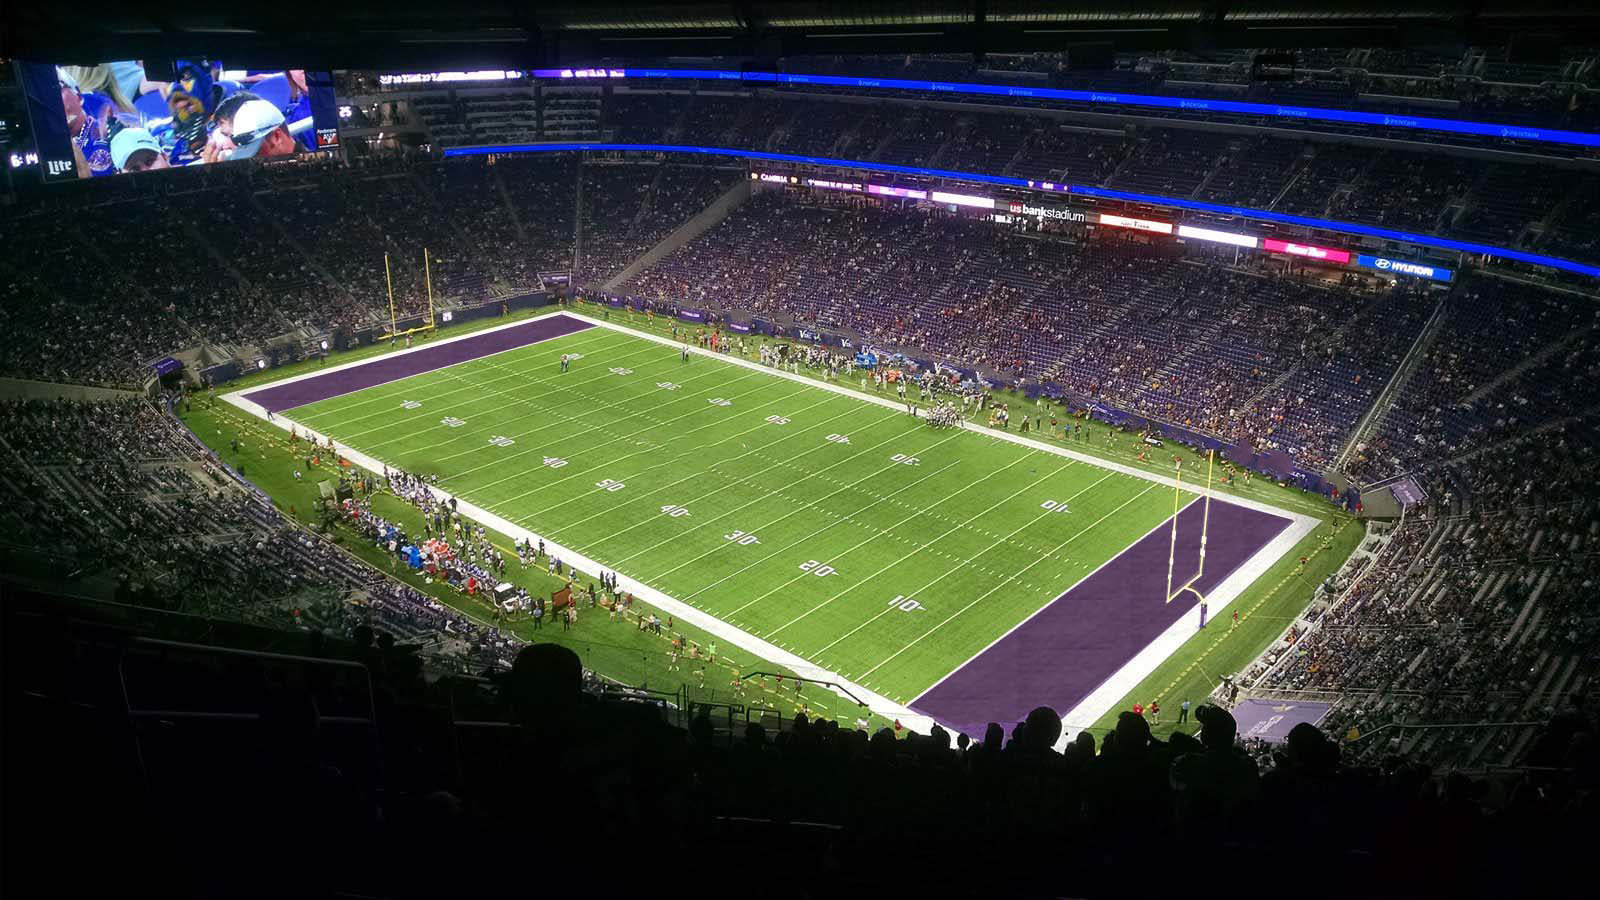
(741,537)
(778,420)
(905,604)
(452,421)
(905,460)
(411,404)
(675,511)
(720,401)
(839,438)
(608,484)
(814,567)
(501,440)
(554,462)
(1055,506)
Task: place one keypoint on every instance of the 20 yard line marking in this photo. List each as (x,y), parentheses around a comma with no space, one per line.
(1002,584)
(858,545)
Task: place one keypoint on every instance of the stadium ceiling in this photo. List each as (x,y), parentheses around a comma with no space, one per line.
(409,33)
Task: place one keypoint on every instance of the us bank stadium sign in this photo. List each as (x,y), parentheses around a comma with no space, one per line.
(1401,267)
(1018,208)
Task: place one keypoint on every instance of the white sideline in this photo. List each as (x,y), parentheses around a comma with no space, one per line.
(1085,713)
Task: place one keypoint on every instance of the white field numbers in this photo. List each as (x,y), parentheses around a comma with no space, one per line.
(741,537)
(619,370)
(554,462)
(501,440)
(905,604)
(675,511)
(666,385)
(720,401)
(778,420)
(1054,506)
(607,484)
(905,460)
(411,404)
(839,438)
(814,567)
(452,422)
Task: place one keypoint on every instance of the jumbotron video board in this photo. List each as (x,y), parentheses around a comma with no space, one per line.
(127,116)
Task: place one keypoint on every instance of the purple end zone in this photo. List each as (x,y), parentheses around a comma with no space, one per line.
(1085,635)
(404,365)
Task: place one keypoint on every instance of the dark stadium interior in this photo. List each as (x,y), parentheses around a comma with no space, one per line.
(1353,245)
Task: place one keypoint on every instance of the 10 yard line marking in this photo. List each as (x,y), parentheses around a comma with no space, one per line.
(859,544)
(948,572)
(1002,584)
(548,381)
(403,385)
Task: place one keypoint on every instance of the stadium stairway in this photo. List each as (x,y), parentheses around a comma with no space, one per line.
(731,199)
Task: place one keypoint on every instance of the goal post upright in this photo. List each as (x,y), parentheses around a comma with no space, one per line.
(1205,526)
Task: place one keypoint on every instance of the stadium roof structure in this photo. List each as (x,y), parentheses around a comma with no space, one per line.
(375,33)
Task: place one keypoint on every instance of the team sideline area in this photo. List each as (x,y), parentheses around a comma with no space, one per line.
(811,519)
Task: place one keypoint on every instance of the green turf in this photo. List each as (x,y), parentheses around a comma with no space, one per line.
(963,530)
(618,650)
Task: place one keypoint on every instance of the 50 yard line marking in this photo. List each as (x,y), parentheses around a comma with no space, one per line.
(948,619)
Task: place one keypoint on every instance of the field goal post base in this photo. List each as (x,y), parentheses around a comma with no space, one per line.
(1174,593)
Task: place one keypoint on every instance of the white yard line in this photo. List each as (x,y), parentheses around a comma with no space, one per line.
(952,617)
(1146,660)
(769,494)
(926,544)
(673,461)
(443,370)
(1159,525)
(403,352)
(1105,698)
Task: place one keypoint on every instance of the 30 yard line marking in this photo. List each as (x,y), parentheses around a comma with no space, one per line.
(1002,584)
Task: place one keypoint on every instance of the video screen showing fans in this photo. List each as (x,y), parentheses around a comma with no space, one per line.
(127,116)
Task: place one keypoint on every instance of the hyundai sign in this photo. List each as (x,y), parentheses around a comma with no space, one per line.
(1401,267)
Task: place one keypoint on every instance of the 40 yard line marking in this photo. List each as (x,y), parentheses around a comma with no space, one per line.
(1002,584)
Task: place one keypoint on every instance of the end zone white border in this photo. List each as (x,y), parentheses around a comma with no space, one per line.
(1085,713)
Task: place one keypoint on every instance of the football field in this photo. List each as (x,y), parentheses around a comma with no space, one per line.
(950,572)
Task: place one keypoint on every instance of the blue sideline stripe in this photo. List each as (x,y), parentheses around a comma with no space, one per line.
(1426,240)
(1187,104)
